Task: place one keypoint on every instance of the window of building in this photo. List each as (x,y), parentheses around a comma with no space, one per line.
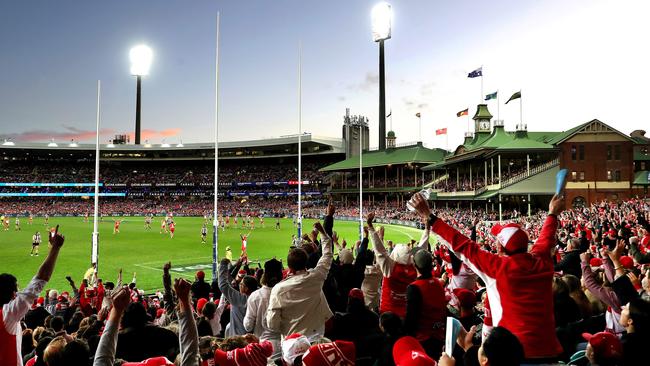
(617,176)
(574,175)
(609,175)
(617,152)
(581,152)
(582,176)
(609,152)
(573,152)
(642,165)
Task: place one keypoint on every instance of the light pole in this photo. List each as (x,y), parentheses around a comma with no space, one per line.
(140,57)
(381,30)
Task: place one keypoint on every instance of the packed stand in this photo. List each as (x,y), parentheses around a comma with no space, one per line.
(568,286)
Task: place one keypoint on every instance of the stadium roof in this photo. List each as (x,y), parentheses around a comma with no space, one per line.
(335,143)
(584,128)
(416,154)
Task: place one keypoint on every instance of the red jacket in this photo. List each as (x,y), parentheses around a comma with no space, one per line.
(519,287)
(393,289)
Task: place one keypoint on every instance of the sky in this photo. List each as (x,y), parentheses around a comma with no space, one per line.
(572,60)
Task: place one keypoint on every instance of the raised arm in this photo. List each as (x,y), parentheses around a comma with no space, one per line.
(188,334)
(325,261)
(105,354)
(602,293)
(233,296)
(384,260)
(483,261)
(46,269)
(547,240)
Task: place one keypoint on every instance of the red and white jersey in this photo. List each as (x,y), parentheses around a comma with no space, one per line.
(244,243)
(172,226)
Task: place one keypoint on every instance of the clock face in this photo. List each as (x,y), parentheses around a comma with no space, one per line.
(484,125)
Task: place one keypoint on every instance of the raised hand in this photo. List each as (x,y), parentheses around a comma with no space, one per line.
(182,288)
(166,267)
(421,206)
(331,209)
(319,227)
(585,257)
(121,299)
(56,239)
(370,219)
(556,206)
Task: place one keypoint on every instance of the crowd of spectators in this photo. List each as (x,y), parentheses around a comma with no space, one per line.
(563,285)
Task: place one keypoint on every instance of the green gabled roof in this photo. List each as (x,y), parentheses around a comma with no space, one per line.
(641,178)
(542,136)
(478,140)
(524,143)
(499,137)
(560,137)
(416,154)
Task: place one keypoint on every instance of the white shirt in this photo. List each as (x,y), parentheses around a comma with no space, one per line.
(255,319)
(16,309)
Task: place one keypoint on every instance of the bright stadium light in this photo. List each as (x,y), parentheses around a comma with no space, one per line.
(73,144)
(180,144)
(147,144)
(110,145)
(164,144)
(52,144)
(382,15)
(8,143)
(141,57)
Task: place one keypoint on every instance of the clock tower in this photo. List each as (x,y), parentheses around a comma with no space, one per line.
(482,119)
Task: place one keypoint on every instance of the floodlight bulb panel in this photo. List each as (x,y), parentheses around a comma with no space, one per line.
(381,15)
(141,57)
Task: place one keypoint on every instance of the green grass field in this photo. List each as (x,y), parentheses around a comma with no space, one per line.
(136,250)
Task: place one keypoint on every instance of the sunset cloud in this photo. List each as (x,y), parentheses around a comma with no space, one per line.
(65,133)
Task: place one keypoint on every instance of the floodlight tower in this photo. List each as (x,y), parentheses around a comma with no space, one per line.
(141,57)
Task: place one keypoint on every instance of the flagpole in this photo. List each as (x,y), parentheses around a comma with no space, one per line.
(521,119)
(215,223)
(94,254)
(420,126)
(481,99)
(299,139)
(498,106)
(467,119)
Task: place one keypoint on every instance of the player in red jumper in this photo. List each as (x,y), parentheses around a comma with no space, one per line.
(519,282)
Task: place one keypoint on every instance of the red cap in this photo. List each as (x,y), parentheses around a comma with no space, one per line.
(154,361)
(511,236)
(337,353)
(254,354)
(409,352)
(605,344)
(159,312)
(356,293)
(466,298)
(627,262)
(200,304)
(595,262)
(611,232)
(200,275)
(40,300)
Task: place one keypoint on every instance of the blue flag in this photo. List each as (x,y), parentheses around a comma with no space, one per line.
(476,73)
(491,96)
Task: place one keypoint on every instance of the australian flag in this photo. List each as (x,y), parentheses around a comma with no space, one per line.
(476,73)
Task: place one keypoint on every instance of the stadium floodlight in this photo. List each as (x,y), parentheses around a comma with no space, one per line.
(8,143)
(180,144)
(110,145)
(382,15)
(52,144)
(164,144)
(73,144)
(141,57)
(147,144)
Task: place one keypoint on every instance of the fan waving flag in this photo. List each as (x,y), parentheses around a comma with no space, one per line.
(476,73)
(516,95)
(441,131)
(491,96)
(464,112)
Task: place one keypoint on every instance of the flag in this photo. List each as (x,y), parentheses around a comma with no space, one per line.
(389,113)
(476,73)
(464,112)
(491,96)
(516,95)
(417,115)
(441,131)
